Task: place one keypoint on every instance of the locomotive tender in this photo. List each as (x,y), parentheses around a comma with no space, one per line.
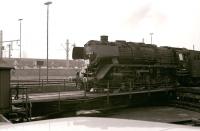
(132,65)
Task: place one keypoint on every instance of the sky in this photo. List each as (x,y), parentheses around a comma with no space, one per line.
(173,23)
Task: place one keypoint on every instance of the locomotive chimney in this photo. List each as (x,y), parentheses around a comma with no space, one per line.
(104,39)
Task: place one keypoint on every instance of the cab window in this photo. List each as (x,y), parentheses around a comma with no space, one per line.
(180,56)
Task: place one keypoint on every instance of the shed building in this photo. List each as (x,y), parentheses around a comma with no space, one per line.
(4,87)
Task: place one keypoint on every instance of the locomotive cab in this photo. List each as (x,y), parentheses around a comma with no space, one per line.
(182,58)
(182,71)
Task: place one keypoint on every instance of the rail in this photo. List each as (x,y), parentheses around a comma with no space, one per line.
(23,91)
(42,86)
(59,93)
(40,82)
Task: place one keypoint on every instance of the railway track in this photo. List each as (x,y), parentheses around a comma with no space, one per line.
(188,98)
(185,97)
(186,105)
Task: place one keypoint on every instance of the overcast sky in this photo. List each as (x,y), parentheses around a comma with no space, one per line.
(173,22)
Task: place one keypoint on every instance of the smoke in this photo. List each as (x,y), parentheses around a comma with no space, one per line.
(147,14)
(138,15)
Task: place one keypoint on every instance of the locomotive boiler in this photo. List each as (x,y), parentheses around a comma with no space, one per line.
(122,65)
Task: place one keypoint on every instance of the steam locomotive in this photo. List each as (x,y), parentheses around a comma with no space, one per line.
(125,65)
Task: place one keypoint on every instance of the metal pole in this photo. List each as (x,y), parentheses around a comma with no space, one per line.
(151,37)
(47,42)
(9,49)
(85,86)
(20,37)
(42,85)
(64,84)
(48,3)
(130,90)
(67,53)
(27,111)
(108,92)
(59,99)
(39,74)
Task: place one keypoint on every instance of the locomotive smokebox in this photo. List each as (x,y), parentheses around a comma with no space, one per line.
(104,39)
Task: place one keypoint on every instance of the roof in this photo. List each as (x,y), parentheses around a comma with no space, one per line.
(4,65)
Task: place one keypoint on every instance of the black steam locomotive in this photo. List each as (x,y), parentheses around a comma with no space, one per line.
(131,65)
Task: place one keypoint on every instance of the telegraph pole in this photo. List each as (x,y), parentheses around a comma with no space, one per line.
(142,40)
(151,34)
(66,47)
(74,45)
(67,52)
(10,46)
(20,38)
(9,50)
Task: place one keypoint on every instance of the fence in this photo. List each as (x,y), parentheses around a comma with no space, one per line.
(52,85)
